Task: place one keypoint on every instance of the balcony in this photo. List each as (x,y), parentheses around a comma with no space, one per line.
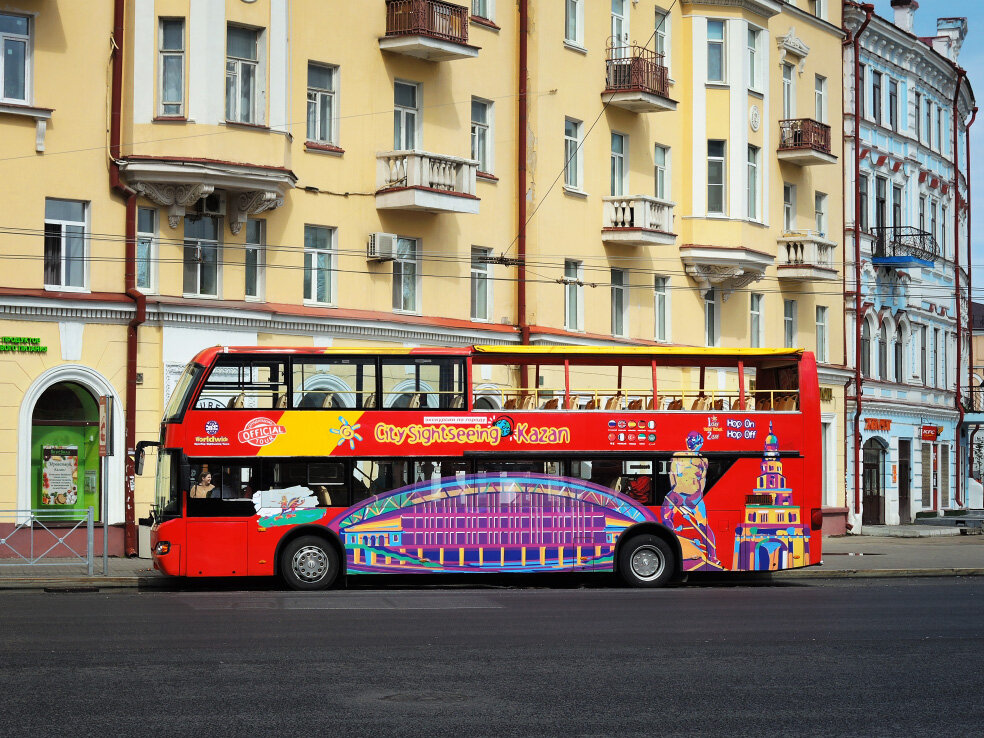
(724,268)
(427,29)
(637,80)
(637,220)
(804,142)
(806,256)
(430,183)
(899,247)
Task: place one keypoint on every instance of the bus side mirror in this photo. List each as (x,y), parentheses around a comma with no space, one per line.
(138,458)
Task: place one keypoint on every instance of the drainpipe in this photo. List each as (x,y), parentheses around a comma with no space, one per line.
(130,281)
(970,290)
(521,182)
(854,40)
(956,276)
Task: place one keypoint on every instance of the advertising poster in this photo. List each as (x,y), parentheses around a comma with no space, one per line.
(60,475)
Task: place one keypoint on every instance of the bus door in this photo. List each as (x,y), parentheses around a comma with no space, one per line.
(220,510)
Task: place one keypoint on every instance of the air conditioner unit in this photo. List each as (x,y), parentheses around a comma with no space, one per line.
(382,247)
(213,205)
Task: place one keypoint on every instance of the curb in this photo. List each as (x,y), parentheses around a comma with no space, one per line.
(85,582)
(879,573)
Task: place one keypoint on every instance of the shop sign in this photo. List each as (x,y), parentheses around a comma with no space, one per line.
(60,475)
(931,432)
(21,345)
(878,424)
(106,425)
(826,394)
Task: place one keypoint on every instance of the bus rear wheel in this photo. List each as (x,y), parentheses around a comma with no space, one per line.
(309,563)
(646,561)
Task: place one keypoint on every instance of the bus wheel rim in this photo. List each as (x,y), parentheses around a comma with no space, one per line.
(647,562)
(310,564)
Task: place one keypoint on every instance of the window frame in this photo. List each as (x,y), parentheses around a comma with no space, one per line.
(312,279)
(661,308)
(893,104)
(319,93)
(753,42)
(400,263)
(876,94)
(661,173)
(148,240)
(574,21)
(573,295)
(712,317)
(863,188)
(820,97)
(403,114)
(917,118)
(163,54)
(259,260)
(788,91)
(721,45)
(663,39)
(788,207)
(481,272)
(789,323)
(620,302)
(573,155)
(756,324)
(752,186)
(485,9)
(238,64)
(62,223)
(618,169)
(723,184)
(485,132)
(820,200)
(200,243)
(28,40)
(822,334)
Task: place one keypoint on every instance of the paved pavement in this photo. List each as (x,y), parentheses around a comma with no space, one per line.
(893,554)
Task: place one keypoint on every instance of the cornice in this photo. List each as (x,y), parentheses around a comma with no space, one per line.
(764,8)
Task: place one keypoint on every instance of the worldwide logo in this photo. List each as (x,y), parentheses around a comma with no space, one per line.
(211,427)
(260,432)
(505,426)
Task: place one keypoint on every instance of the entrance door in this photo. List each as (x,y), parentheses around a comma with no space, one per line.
(620,27)
(905,456)
(873,481)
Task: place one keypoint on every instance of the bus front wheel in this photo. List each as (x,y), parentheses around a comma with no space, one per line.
(646,561)
(309,563)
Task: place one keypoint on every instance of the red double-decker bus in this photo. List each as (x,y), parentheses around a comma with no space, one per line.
(651,462)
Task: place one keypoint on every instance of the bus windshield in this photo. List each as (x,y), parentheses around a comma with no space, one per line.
(179,397)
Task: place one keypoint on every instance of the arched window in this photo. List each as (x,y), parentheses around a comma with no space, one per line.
(865,349)
(899,374)
(883,352)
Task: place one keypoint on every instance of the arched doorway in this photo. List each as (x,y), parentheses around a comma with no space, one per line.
(873,482)
(65,471)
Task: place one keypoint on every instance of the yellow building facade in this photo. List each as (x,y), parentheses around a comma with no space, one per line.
(293,172)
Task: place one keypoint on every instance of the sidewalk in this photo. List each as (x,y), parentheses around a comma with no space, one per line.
(898,554)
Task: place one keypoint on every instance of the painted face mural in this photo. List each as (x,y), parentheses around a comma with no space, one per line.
(683,509)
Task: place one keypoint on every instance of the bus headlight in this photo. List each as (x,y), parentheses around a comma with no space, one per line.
(162,548)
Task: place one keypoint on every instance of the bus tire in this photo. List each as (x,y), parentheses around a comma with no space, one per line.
(309,563)
(646,561)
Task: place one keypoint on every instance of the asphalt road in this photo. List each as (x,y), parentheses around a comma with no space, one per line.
(864,658)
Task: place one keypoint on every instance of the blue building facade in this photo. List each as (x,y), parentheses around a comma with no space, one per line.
(913,233)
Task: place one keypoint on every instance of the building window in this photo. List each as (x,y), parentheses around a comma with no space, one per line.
(405,107)
(820,213)
(715,51)
(255,238)
(876,93)
(752,189)
(574,22)
(817,8)
(788,207)
(923,335)
(929,123)
(917,119)
(899,353)
(715,177)
(481,284)
(939,128)
(863,192)
(896,206)
(15,57)
(820,93)
(481,139)
(756,333)
(573,293)
(318,264)
(64,243)
(321,104)
(573,165)
(883,352)
(663,36)
(881,202)
(618,170)
(922,213)
(936,357)
(933,207)
(821,333)
(661,172)
(146,249)
(789,323)
(893,104)
(754,34)
(711,311)
(171,61)
(661,308)
(943,232)
(860,91)
(866,349)
(201,256)
(483,8)
(620,303)
(788,94)
(242,62)
(406,276)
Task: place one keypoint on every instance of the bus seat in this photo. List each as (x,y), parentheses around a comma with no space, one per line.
(592,404)
(237,402)
(414,400)
(718,405)
(529,402)
(457,402)
(369,400)
(614,402)
(510,404)
(572,402)
(552,404)
(635,404)
(328,401)
(675,405)
(281,402)
(324,496)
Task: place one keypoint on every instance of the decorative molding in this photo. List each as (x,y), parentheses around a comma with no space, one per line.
(252,203)
(174,197)
(754,118)
(791,44)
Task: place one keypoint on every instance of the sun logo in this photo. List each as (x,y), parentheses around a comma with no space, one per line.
(347,433)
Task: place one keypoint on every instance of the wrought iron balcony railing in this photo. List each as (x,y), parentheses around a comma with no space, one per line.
(804,133)
(432,18)
(636,68)
(894,242)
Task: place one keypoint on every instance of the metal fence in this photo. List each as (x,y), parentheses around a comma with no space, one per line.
(38,535)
